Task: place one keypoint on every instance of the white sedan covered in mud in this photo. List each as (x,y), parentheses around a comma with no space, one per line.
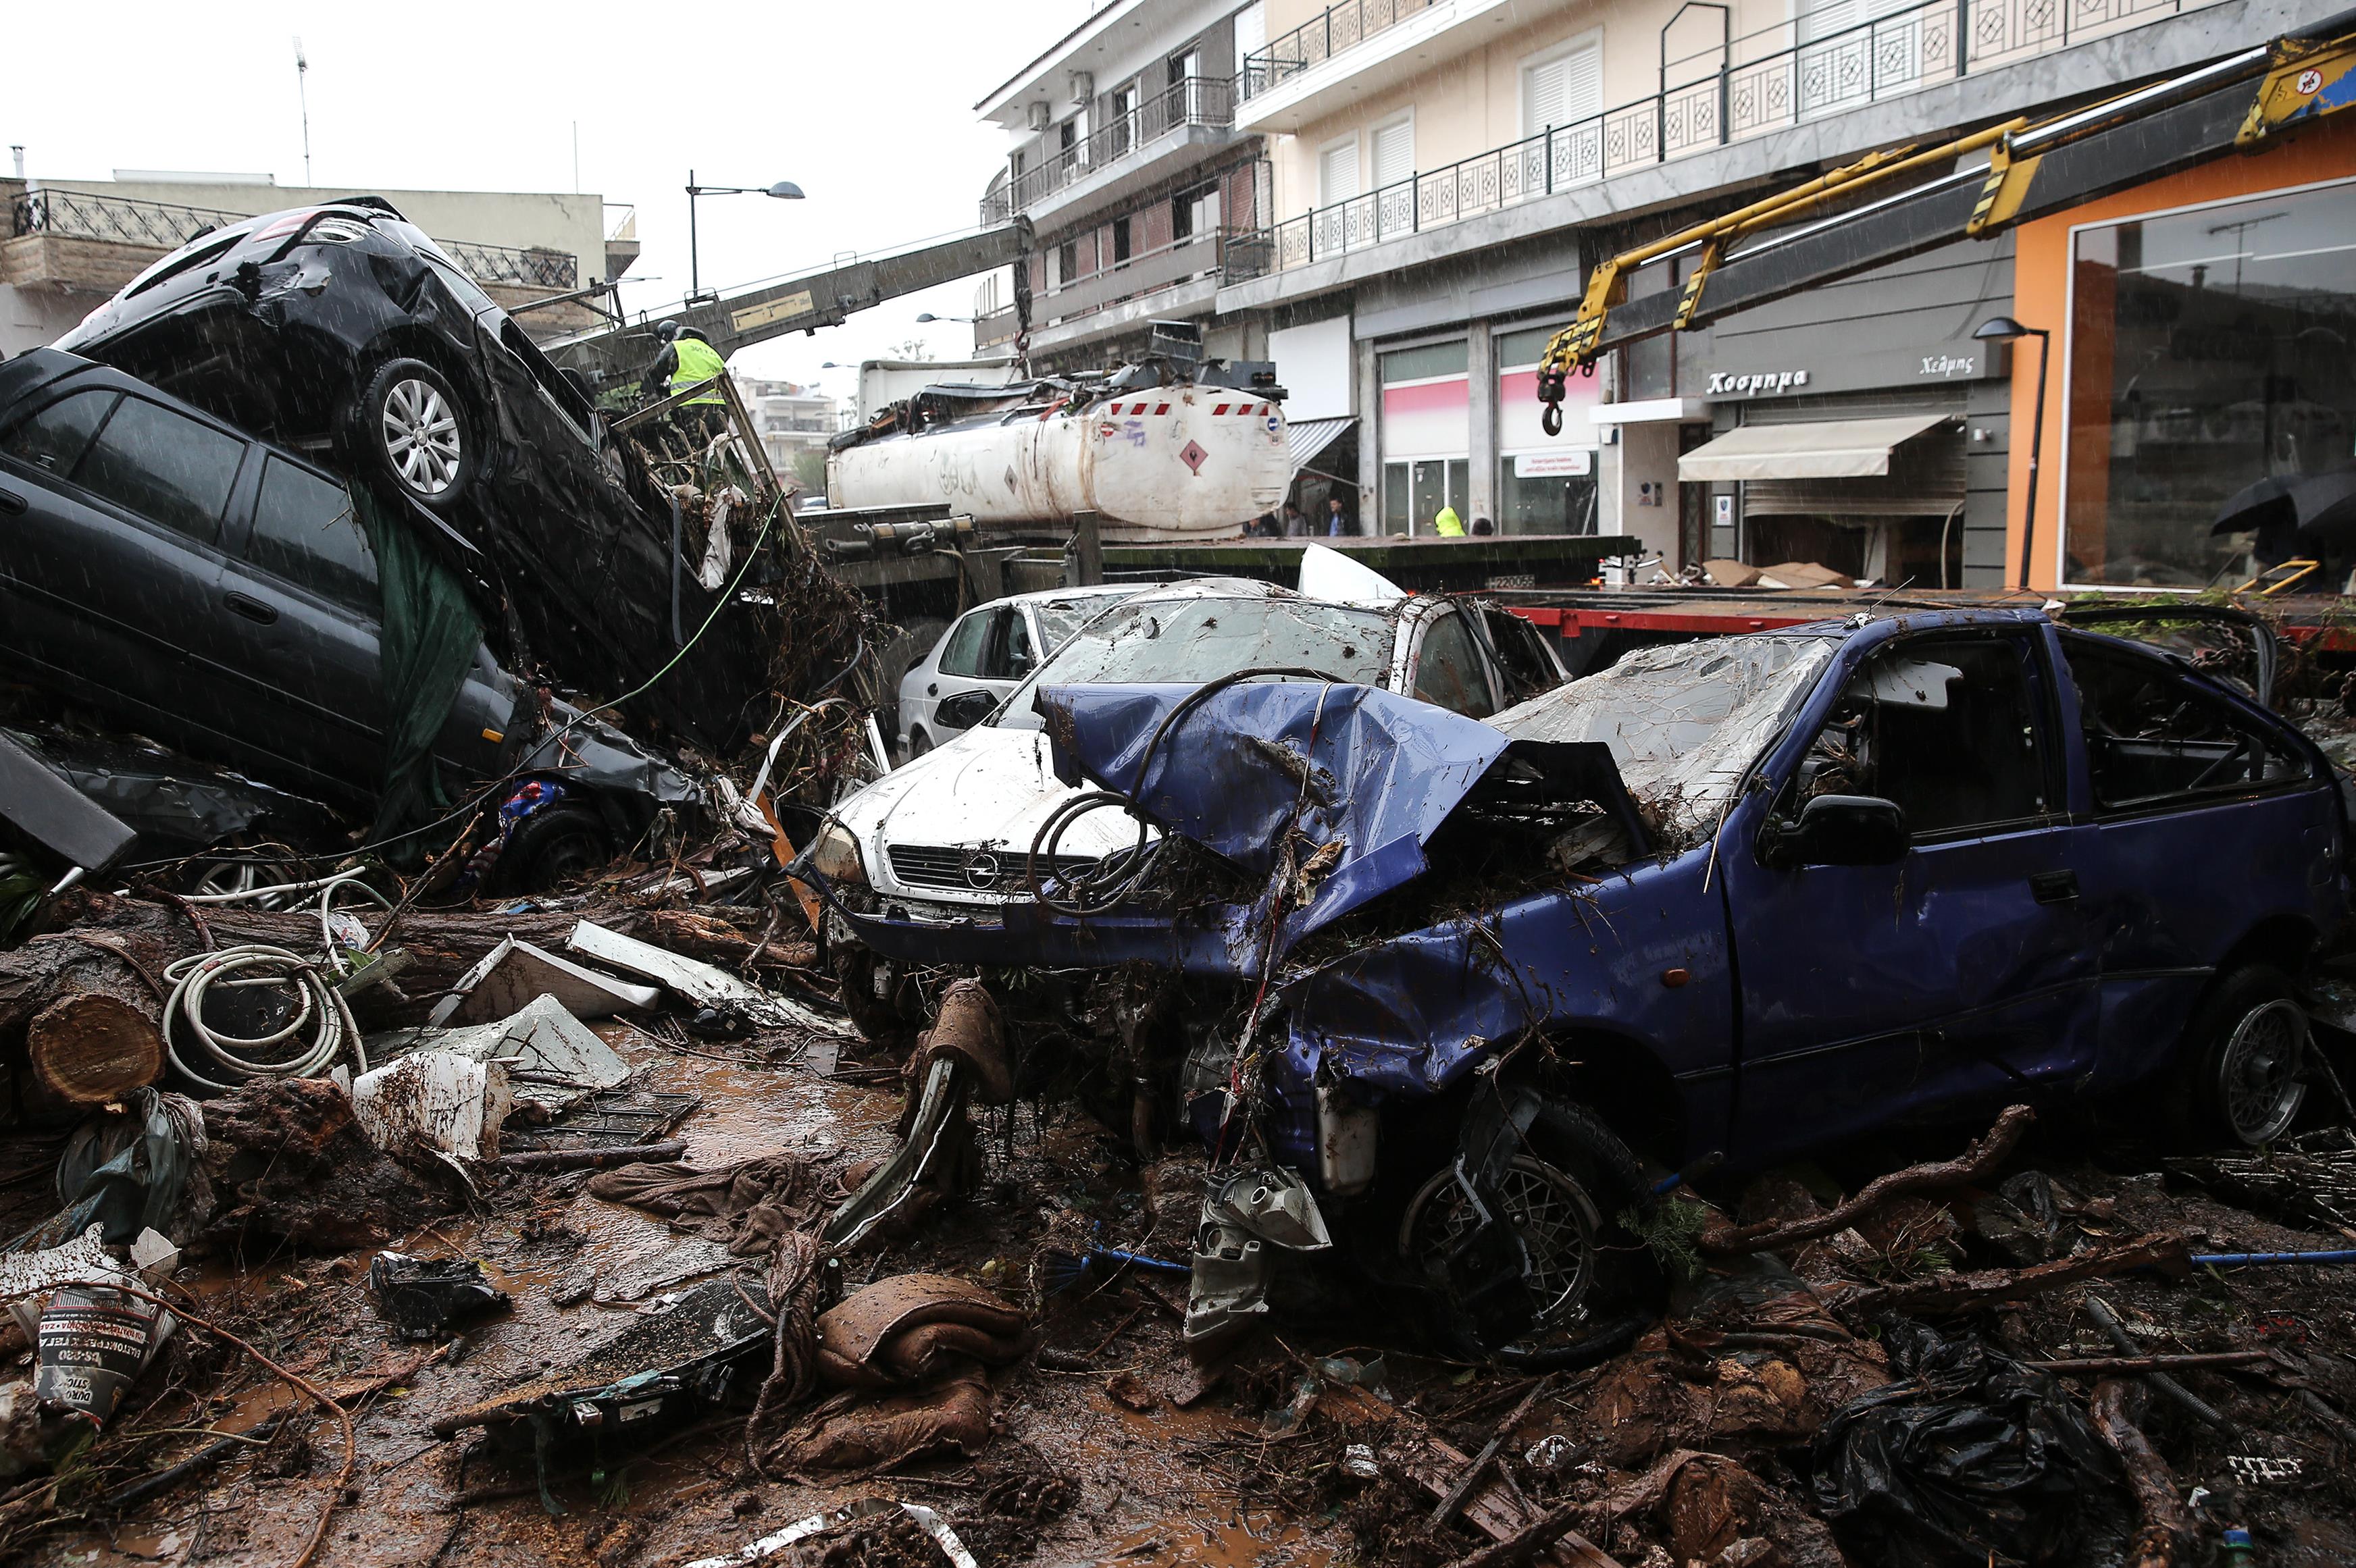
(951,834)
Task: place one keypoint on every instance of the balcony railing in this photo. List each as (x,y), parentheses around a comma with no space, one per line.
(1759,84)
(165,226)
(114,219)
(1197,100)
(504,266)
(1319,39)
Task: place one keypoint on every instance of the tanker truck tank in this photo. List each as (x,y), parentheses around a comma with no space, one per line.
(1160,450)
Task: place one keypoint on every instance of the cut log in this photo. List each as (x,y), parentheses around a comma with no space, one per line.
(94,1046)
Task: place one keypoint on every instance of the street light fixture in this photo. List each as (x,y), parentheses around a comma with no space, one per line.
(929,317)
(784,190)
(2005,329)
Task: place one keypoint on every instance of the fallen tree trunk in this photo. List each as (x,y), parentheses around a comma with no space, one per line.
(1949,1292)
(87,1014)
(1977,1163)
(2164,1527)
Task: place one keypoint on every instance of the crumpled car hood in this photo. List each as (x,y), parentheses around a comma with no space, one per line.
(990,785)
(1371,771)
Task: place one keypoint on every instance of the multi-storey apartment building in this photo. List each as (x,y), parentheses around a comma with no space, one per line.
(1124,156)
(1409,196)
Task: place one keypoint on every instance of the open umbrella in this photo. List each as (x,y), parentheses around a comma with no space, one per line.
(2317,505)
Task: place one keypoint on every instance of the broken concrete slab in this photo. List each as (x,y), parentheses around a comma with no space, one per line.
(516,973)
(552,1059)
(698,982)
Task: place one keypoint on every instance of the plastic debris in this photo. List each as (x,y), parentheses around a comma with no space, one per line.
(422,1297)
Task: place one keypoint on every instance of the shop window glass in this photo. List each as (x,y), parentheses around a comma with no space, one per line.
(2208,350)
(1542,503)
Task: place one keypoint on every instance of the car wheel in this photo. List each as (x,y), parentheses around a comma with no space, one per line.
(1593,1287)
(555,846)
(409,426)
(918,742)
(878,1020)
(2240,1078)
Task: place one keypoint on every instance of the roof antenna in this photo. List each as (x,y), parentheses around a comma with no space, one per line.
(303,94)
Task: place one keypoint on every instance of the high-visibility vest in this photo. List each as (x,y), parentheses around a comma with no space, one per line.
(1448,525)
(697,361)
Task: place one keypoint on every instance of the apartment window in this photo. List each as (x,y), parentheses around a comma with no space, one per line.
(1394,182)
(1067,264)
(1015,168)
(1186,64)
(1563,87)
(1119,241)
(1194,212)
(1124,119)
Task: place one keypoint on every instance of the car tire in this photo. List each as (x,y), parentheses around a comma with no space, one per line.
(878,1020)
(918,742)
(2238,1078)
(409,426)
(555,845)
(1578,1167)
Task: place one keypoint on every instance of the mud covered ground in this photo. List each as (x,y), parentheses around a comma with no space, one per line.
(1316,1447)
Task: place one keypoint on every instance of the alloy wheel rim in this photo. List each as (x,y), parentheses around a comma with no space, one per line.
(1551,1212)
(421,437)
(2258,1073)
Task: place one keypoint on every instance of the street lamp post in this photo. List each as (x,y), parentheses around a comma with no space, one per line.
(784,190)
(929,317)
(2005,329)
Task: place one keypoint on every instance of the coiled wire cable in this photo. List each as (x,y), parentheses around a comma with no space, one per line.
(1118,878)
(320,1014)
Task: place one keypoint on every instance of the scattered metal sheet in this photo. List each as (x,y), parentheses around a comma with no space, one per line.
(516,972)
(698,982)
(552,1059)
(612,1118)
(54,813)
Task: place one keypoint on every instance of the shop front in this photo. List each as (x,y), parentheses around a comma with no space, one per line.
(2204,391)
(1426,435)
(1857,463)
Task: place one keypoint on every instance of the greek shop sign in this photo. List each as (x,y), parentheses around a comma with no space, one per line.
(1963,361)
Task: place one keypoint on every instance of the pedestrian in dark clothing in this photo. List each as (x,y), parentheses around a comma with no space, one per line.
(1337,521)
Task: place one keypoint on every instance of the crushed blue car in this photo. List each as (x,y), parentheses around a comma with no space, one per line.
(1464,993)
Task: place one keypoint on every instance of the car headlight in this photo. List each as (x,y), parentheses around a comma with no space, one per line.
(836,856)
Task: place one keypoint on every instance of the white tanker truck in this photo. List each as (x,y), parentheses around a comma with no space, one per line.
(1168,448)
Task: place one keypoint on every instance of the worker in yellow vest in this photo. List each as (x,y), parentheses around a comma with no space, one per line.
(688,360)
(1448,525)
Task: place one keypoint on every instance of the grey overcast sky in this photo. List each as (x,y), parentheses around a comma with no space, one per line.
(867,106)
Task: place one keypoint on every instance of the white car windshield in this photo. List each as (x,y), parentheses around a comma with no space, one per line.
(1059,618)
(1685,722)
(1189,641)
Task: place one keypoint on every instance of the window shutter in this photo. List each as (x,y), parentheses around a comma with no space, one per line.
(1394,154)
(1542,97)
(1338,174)
(1583,85)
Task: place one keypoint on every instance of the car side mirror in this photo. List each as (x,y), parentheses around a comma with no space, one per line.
(964,710)
(1842,830)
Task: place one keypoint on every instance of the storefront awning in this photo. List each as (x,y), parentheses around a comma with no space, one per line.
(1308,440)
(1835,449)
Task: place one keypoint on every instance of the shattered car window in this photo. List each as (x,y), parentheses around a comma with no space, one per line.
(1685,722)
(1190,641)
(1059,618)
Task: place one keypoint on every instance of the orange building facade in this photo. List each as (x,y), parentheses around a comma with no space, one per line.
(2203,338)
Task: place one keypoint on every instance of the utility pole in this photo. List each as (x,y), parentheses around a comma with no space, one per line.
(303,95)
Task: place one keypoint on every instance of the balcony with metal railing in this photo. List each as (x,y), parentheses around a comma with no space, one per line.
(1132,150)
(161,226)
(1338,29)
(1747,87)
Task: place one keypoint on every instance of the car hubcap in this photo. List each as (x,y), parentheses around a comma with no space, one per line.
(421,437)
(2259,1072)
(1552,1214)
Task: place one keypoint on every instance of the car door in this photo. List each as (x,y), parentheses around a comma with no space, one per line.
(114,567)
(1964,970)
(1448,667)
(2210,824)
(305,579)
(959,668)
(1526,665)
